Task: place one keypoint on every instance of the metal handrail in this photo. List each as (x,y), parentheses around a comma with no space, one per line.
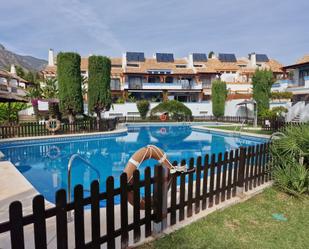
(241,126)
(72,158)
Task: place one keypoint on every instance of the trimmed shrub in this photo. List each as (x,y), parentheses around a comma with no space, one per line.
(143,107)
(218,97)
(99,92)
(69,83)
(175,109)
(275,112)
(262,81)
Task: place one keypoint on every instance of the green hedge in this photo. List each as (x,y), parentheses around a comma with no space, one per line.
(99,93)
(175,109)
(218,97)
(69,83)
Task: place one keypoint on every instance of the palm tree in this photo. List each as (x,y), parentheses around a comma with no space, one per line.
(35,93)
(50,92)
(50,89)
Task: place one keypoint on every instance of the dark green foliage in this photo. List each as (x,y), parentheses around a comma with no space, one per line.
(175,109)
(262,81)
(50,89)
(30,77)
(267,114)
(9,112)
(274,113)
(211,53)
(69,84)
(20,71)
(143,107)
(53,109)
(99,93)
(290,160)
(218,97)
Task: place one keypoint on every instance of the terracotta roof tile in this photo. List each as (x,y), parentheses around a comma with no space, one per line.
(7,74)
(304,59)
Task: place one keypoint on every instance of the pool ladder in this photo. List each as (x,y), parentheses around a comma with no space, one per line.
(89,165)
(240,128)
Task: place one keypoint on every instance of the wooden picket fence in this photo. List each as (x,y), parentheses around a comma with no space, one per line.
(215,179)
(39,129)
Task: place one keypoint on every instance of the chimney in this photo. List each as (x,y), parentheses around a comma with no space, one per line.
(124,61)
(253,60)
(190,61)
(51,57)
(13,70)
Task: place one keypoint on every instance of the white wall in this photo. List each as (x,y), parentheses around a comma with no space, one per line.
(198,109)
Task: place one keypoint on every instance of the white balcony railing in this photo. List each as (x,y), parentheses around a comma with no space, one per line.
(164,86)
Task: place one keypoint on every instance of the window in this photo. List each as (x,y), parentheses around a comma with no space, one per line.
(181,66)
(197,65)
(117,65)
(135,82)
(132,65)
(115,84)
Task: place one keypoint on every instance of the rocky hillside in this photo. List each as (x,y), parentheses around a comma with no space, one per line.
(27,62)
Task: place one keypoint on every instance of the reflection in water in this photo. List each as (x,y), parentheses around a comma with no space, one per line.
(44,163)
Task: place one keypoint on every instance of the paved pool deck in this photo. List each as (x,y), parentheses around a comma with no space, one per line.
(235,133)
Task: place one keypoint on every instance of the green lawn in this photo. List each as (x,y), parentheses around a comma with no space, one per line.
(232,128)
(247,225)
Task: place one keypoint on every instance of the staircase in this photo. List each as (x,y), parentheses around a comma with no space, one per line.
(296,119)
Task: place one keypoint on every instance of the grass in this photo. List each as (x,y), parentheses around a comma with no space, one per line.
(247,225)
(232,128)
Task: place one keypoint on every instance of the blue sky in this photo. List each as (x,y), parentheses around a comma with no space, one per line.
(277,28)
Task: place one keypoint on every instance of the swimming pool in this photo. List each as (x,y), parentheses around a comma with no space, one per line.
(43,162)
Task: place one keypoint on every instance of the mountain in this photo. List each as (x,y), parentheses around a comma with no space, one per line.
(27,62)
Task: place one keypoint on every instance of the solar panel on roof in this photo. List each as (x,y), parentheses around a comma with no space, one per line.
(163,57)
(199,57)
(135,56)
(227,57)
(262,58)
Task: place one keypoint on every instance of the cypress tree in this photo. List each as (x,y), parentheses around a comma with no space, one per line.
(262,81)
(69,84)
(99,93)
(218,97)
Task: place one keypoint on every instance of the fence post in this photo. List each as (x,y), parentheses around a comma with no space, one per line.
(160,194)
(241,172)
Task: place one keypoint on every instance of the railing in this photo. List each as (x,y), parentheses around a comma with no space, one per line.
(161,86)
(217,178)
(39,129)
(89,165)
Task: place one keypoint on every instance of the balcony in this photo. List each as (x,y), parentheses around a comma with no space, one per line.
(163,86)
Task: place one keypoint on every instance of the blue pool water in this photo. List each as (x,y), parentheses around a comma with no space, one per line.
(44,162)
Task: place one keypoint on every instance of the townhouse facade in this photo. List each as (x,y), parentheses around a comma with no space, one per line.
(187,79)
(12,87)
